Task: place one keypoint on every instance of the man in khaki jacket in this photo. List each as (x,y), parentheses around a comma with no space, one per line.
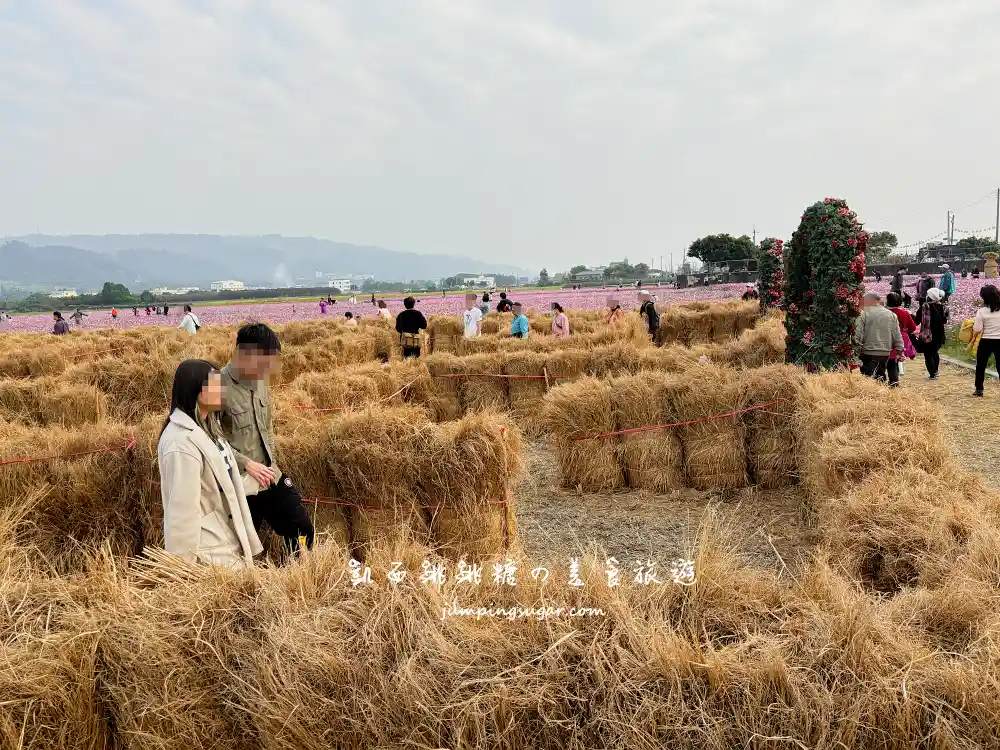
(247,422)
(876,331)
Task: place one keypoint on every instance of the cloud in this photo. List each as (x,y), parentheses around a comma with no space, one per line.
(543,133)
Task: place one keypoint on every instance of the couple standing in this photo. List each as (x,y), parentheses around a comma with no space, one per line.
(218,476)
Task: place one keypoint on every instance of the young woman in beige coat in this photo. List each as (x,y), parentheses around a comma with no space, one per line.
(205,513)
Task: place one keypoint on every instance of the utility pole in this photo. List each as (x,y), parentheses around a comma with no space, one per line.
(996,235)
(951,234)
(947,229)
(755,235)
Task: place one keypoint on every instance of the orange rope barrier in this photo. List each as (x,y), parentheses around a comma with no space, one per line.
(678,424)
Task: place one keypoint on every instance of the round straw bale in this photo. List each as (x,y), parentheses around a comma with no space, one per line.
(446,392)
(714,455)
(652,460)
(582,409)
(481,388)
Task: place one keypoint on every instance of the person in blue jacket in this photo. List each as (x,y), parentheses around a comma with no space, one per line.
(519,326)
(947,282)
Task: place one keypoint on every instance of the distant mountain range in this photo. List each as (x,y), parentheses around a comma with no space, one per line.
(142,261)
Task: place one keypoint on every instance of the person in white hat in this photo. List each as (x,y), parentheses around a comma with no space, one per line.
(750,293)
(947,281)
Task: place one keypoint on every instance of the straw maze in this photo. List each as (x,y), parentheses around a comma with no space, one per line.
(884,640)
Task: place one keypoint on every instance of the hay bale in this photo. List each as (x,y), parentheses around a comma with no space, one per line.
(526,394)
(445,399)
(303,456)
(651,460)
(612,361)
(80,496)
(695,326)
(481,388)
(714,455)
(723,319)
(375,459)
(476,463)
(582,409)
(50,400)
(671,326)
(747,315)
(444,333)
(564,365)
(666,359)
(900,528)
(771,441)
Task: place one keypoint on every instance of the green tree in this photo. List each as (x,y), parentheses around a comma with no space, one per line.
(576,269)
(880,246)
(640,269)
(115,294)
(543,277)
(985,243)
(146,297)
(719,248)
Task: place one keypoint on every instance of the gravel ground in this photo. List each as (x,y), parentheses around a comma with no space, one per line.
(631,525)
(970,423)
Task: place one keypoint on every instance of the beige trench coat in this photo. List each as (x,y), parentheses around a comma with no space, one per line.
(205,513)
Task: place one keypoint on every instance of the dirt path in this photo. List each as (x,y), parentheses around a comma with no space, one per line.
(554,522)
(971,423)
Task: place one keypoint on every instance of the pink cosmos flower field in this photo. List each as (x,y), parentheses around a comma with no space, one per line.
(962,305)
(429,303)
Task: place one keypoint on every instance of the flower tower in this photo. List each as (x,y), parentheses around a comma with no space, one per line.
(771,274)
(826,269)
(990,267)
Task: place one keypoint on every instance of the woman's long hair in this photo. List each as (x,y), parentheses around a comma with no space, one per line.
(189,380)
(991,297)
(557,306)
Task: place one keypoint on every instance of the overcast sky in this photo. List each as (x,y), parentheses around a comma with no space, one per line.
(550,132)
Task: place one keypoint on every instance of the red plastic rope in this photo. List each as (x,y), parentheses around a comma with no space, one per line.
(109,449)
(679,424)
(509,377)
(345,504)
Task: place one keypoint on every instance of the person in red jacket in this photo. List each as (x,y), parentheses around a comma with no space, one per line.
(907,326)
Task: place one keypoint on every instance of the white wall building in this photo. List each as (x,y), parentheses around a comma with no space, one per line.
(63,293)
(161,291)
(343,285)
(480,281)
(228,286)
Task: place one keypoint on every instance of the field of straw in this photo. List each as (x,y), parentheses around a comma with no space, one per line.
(880,633)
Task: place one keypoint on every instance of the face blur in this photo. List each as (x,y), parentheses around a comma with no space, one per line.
(255,364)
(212,393)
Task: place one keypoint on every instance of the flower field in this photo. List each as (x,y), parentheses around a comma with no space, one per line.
(962,305)
(430,304)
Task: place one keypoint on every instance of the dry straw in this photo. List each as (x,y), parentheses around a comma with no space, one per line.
(651,460)
(471,468)
(575,413)
(714,454)
(771,438)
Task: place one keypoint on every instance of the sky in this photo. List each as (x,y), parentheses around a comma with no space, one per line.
(544,133)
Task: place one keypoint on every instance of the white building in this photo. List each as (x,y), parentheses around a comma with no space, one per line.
(479,282)
(162,291)
(228,286)
(63,293)
(343,285)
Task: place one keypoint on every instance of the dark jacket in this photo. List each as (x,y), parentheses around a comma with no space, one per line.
(410,321)
(60,327)
(897,283)
(938,319)
(505,305)
(652,317)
